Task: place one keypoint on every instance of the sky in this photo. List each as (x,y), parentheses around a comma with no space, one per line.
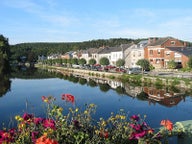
(85,20)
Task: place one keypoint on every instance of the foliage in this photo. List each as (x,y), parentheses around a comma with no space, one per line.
(190,62)
(171,64)
(79,127)
(120,62)
(47,48)
(144,63)
(104,61)
(92,61)
(74,61)
(82,61)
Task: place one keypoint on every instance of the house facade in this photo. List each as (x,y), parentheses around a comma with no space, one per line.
(134,53)
(155,51)
(179,54)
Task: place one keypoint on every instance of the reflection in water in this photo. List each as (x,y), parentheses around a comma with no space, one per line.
(164,96)
(5,84)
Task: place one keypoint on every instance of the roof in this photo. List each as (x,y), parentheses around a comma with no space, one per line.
(159,41)
(184,50)
(106,50)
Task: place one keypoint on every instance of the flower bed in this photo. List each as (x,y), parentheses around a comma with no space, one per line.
(78,127)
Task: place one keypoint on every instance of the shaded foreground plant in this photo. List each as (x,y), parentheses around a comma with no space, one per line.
(78,127)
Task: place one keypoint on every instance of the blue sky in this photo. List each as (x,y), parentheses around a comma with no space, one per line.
(84,20)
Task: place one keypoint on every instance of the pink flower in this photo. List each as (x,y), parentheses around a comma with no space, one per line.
(49,123)
(28,117)
(135,117)
(137,135)
(37,120)
(136,127)
(33,135)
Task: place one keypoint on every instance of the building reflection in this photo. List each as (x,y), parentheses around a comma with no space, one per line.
(163,96)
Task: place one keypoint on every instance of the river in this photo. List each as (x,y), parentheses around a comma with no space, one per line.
(109,96)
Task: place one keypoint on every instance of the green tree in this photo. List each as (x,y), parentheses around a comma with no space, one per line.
(74,61)
(64,61)
(104,61)
(92,61)
(171,64)
(120,62)
(82,61)
(144,64)
(190,62)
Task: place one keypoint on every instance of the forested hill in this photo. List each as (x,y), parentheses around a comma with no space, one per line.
(46,48)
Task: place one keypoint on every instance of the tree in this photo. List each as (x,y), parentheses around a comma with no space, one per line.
(74,61)
(190,62)
(120,62)
(92,61)
(171,64)
(144,64)
(82,61)
(104,61)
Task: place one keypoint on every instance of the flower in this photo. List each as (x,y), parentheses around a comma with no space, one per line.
(44,140)
(68,98)
(135,117)
(28,117)
(49,123)
(104,134)
(37,120)
(45,99)
(167,124)
(76,124)
(138,135)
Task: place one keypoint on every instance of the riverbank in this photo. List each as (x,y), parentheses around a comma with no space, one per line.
(147,79)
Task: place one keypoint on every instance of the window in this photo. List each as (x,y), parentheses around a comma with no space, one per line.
(134,54)
(139,54)
(172,42)
(151,52)
(167,53)
(157,61)
(158,51)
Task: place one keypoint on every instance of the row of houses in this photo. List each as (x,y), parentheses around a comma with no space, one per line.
(157,50)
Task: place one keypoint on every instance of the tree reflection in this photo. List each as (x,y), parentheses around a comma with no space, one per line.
(120,90)
(92,83)
(5,82)
(142,96)
(73,79)
(82,81)
(104,87)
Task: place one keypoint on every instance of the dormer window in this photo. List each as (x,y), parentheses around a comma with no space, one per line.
(172,42)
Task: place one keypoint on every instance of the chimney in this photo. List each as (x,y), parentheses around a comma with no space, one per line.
(152,40)
(185,44)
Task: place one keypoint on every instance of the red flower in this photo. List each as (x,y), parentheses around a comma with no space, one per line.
(68,98)
(104,134)
(44,140)
(167,124)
